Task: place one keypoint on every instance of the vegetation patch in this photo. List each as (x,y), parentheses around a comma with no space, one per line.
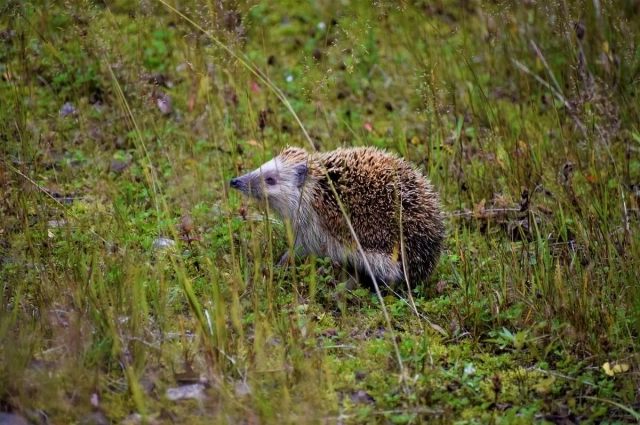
(138,288)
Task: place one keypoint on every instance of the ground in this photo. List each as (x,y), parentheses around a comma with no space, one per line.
(138,287)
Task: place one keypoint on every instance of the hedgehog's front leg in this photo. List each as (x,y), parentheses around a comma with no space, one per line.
(299,252)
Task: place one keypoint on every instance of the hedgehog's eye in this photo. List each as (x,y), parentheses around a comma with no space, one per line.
(270,181)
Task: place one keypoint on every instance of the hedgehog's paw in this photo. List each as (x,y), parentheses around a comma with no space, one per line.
(284,260)
(352,283)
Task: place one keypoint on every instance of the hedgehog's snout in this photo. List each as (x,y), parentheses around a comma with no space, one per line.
(246,185)
(239,183)
(235,183)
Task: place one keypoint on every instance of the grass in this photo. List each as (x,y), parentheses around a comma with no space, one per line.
(129,269)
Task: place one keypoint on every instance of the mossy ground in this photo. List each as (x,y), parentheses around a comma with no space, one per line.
(121,124)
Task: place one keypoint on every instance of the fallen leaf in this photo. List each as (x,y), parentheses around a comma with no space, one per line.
(164,103)
(612,369)
(11,419)
(329,332)
(186,224)
(159,79)
(117,167)
(95,400)
(362,397)
(162,243)
(185,392)
(478,209)
(67,109)
(242,389)
(137,418)
(95,418)
(55,224)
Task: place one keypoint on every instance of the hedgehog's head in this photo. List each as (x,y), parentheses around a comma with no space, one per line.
(278,182)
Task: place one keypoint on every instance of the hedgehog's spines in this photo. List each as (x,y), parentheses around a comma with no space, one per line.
(377,190)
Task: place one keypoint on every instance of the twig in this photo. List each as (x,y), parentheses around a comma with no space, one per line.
(625,212)
(559,375)
(546,65)
(491,211)
(60,204)
(565,102)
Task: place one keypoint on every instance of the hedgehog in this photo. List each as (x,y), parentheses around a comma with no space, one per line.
(392,207)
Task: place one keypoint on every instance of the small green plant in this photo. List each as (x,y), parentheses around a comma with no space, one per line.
(506,339)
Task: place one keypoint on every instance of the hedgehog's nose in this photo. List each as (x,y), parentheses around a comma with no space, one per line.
(234,182)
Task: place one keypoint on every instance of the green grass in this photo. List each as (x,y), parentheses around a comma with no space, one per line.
(524,115)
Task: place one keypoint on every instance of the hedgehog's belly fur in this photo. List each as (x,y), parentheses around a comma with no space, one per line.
(313,238)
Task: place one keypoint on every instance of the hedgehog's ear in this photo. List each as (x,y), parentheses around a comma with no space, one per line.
(300,172)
